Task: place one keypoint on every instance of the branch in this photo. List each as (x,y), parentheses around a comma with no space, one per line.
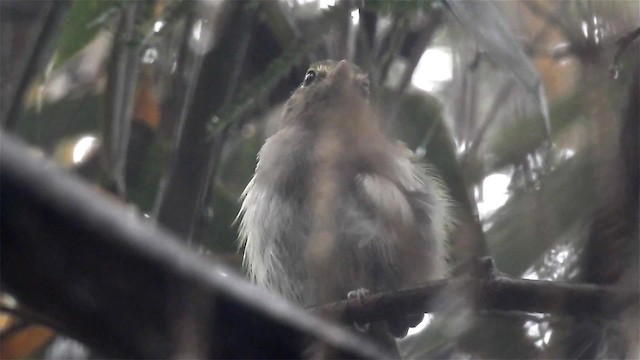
(498,101)
(495,294)
(57,9)
(623,43)
(121,84)
(179,201)
(425,35)
(388,49)
(128,289)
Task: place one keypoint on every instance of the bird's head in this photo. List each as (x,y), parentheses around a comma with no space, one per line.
(328,87)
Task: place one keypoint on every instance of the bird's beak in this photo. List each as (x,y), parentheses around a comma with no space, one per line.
(342,74)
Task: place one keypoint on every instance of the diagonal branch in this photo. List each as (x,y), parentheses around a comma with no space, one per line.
(131,290)
(424,39)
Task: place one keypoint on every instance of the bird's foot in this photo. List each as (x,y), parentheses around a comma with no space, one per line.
(359,294)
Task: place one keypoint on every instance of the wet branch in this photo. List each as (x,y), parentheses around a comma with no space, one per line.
(494,293)
(129,289)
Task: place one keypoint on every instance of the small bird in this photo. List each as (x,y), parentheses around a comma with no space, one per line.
(335,206)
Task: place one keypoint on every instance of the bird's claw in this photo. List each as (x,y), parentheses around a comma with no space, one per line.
(359,294)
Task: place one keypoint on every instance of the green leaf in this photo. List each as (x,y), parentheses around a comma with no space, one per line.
(81,25)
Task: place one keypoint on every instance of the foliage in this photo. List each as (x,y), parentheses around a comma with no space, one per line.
(84,20)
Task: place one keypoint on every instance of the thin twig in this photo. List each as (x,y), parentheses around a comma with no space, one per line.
(495,294)
(198,221)
(181,95)
(35,60)
(122,81)
(392,45)
(424,39)
(498,104)
(623,43)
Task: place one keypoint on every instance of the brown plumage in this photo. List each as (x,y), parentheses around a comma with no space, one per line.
(335,205)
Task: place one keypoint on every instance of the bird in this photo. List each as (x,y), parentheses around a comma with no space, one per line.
(336,207)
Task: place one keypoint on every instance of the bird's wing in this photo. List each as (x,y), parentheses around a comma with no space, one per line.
(414,209)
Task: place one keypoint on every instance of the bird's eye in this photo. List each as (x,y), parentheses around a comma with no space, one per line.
(309,78)
(364,87)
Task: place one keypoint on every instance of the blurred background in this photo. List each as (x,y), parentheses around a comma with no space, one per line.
(528,110)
